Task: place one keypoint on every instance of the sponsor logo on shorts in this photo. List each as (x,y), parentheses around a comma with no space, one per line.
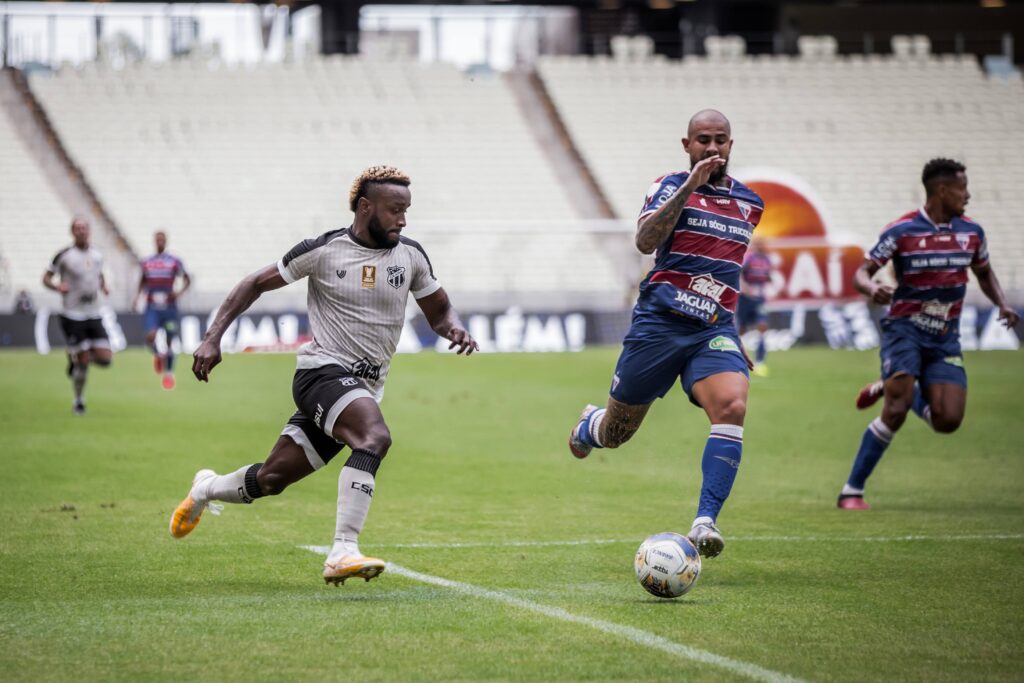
(369,277)
(615,382)
(396,276)
(958,361)
(348,381)
(366,369)
(319,414)
(721,343)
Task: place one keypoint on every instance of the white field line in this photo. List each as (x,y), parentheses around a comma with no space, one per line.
(606,541)
(634,635)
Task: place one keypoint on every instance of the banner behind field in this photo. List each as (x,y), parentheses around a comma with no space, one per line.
(851,325)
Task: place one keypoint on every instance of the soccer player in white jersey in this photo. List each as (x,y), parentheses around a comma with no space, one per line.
(360,278)
(80,268)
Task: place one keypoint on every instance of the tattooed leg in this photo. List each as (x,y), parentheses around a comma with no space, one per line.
(620,422)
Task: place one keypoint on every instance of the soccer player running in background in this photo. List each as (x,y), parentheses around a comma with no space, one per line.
(359,280)
(922,365)
(159,273)
(700,222)
(752,311)
(80,268)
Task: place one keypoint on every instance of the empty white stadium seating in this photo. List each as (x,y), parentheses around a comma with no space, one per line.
(34,223)
(857,129)
(239,164)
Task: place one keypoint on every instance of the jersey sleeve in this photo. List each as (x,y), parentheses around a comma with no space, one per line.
(981,252)
(423,281)
(54,266)
(658,193)
(300,260)
(884,249)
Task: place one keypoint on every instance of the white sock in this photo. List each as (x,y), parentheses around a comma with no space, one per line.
(595,426)
(228,488)
(355,493)
(850,491)
(78,375)
(702,520)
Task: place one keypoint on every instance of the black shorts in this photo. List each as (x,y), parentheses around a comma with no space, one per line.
(320,395)
(82,335)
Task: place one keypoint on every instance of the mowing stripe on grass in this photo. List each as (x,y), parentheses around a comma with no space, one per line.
(634,635)
(607,541)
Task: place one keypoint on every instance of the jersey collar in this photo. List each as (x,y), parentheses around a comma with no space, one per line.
(937,226)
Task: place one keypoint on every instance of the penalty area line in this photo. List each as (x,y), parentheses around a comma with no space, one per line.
(629,633)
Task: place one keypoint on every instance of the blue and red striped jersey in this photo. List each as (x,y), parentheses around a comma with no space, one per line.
(697,268)
(159,272)
(756,274)
(931,263)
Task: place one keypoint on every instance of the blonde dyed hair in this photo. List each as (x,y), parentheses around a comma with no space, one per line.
(372,175)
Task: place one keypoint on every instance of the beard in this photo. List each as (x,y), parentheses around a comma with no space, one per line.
(379,234)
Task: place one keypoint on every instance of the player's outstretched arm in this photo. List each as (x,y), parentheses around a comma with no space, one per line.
(655,228)
(443,319)
(863,283)
(207,356)
(989,284)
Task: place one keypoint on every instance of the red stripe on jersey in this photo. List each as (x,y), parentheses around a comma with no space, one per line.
(726,207)
(698,244)
(727,297)
(935,278)
(908,307)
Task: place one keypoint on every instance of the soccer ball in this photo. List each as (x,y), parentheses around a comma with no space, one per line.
(667,565)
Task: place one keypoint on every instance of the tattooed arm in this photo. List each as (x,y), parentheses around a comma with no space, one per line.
(655,228)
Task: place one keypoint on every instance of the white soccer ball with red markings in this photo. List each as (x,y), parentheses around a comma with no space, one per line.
(667,565)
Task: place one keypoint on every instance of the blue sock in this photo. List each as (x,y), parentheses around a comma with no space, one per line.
(761,350)
(876,439)
(721,461)
(588,430)
(169,360)
(920,405)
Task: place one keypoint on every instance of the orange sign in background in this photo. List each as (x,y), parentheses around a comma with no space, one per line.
(809,268)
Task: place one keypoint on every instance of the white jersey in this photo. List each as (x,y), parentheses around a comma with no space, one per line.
(357,297)
(81,270)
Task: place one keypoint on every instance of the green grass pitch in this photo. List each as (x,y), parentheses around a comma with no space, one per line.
(95,589)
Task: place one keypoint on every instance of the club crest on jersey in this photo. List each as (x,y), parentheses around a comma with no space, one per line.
(369,277)
(340,273)
(396,276)
(744,209)
(963,240)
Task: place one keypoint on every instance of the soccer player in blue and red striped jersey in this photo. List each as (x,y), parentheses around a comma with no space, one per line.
(922,366)
(700,222)
(752,310)
(159,274)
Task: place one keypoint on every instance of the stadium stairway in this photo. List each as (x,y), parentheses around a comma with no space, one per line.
(59,191)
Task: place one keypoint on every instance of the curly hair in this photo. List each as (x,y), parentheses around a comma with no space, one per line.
(375,175)
(940,169)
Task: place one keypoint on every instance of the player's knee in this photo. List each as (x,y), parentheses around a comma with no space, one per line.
(730,411)
(377,439)
(945,424)
(271,483)
(103,361)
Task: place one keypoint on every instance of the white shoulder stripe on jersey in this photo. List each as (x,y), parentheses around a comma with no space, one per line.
(428,290)
(284,272)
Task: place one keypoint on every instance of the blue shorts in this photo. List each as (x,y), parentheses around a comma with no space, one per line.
(751,310)
(157,318)
(931,358)
(658,349)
